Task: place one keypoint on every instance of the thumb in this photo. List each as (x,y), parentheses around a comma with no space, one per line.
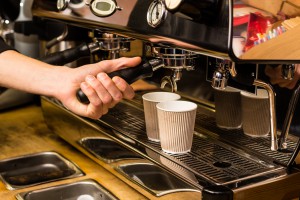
(108,66)
(120,63)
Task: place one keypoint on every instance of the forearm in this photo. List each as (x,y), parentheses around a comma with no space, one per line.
(33,76)
(27,74)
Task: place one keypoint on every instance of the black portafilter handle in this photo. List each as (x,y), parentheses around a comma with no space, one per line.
(130,75)
(68,55)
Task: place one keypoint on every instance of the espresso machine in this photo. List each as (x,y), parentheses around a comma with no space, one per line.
(191,48)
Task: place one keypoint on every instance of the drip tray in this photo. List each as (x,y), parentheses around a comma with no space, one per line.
(34,169)
(107,150)
(154,179)
(81,190)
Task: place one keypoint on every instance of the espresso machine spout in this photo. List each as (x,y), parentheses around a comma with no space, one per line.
(176,60)
(172,80)
(221,75)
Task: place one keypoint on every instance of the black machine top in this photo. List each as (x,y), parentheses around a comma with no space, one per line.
(219,28)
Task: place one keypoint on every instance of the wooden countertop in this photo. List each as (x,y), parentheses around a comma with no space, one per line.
(23,131)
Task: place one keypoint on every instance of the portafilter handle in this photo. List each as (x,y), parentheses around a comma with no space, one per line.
(130,75)
(72,54)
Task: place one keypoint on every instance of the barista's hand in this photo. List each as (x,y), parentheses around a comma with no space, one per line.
(275,76)
(102,91)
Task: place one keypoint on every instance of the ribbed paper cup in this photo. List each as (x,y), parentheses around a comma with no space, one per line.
(256,113)
(228,108)
(149,101)
(176,121)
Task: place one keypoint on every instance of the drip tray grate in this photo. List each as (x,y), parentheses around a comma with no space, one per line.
(209,157)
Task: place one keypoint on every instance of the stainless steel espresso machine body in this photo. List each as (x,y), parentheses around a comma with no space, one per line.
(199,46)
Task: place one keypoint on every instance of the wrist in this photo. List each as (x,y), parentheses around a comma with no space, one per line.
(56,84)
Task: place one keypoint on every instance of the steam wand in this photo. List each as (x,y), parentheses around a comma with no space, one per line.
(288,72)
(273,125)
(288,119)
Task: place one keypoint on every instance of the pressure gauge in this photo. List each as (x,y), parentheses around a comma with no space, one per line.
(157,13)
(104,8)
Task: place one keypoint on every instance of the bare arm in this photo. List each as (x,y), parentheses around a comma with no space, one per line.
(33,76)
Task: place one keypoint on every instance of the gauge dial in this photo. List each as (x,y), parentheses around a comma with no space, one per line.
(103,8)
(156,13)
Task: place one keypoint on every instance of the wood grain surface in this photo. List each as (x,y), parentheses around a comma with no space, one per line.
(23,131)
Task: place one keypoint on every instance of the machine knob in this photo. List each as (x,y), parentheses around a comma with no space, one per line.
(62,4)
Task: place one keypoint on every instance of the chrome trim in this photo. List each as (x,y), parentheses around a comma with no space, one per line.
(105,194)
(172,180)
(103,157)
(70,164)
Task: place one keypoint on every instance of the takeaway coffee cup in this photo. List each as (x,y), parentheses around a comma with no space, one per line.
(228,108)
(255,113)
(176,120)
(150,100)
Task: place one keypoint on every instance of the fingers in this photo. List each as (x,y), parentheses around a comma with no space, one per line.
(87,89)
(102,89)
(95,109)
(124,87)
(110,95)
(104,93)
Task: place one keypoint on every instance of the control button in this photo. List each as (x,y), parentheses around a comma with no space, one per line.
(62,4)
